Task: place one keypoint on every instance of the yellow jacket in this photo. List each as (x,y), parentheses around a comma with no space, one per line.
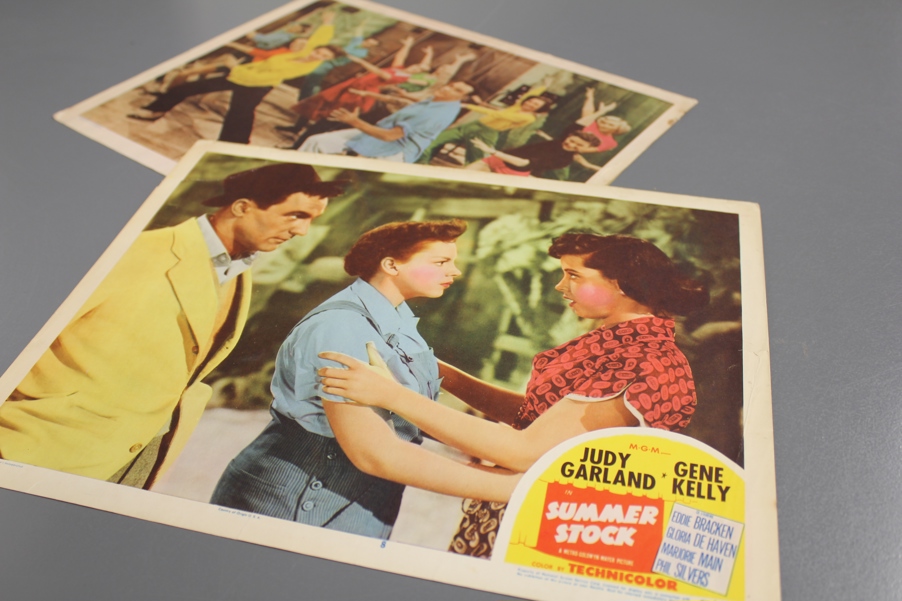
(111,380)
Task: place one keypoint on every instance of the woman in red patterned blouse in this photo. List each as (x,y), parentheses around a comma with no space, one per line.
(627,372)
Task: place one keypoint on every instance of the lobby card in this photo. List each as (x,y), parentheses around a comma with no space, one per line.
(654,474)
(363,79)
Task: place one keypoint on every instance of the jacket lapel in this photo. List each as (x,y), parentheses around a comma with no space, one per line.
(192,282)
(243,298)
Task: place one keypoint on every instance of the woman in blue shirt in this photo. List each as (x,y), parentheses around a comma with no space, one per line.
(328,462)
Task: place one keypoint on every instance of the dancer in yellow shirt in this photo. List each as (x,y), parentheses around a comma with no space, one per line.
(250,83)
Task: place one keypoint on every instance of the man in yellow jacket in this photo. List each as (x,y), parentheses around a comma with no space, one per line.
(120,390)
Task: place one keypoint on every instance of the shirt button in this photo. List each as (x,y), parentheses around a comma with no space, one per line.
(316,485)
(307,506)
(135,447)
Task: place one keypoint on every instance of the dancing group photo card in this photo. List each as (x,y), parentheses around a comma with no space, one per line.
(367,80)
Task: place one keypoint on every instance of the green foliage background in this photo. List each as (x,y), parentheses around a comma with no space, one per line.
(504,308)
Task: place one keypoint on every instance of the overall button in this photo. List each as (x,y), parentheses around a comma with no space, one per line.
(316,485)
(135,447)
(307,506)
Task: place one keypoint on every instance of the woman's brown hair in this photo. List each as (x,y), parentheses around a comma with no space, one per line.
(642,270)
(399,240)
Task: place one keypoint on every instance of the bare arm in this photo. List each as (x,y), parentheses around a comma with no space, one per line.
(374,449)
(588,104)
(514,449)
(383,97)
(507,158)
(381,73)
(353,119)
(426,62)
(476,100)
(444,73)
(241,47)
(590,113)
(403,52)
(585,163)
(496,402)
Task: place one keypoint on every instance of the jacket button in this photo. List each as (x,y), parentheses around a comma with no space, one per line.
(135,447)
(330,455)
(195,350)
(307,506)
(316,485)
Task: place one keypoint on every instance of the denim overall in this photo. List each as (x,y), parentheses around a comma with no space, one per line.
(290,473)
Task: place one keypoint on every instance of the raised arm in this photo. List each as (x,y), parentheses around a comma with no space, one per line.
(481,107)
(516,450)
(381,73)
(589,112)
(241,47)
(426,62)
(444,73)
(400,59)
(374,449)
(383,97)
(496,402)
(588,104)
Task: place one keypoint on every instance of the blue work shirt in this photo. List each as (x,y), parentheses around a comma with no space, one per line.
(273,40)
(297,392)
(422,122)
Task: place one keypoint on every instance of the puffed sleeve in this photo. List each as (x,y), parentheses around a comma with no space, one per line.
(339,331)
(658,384)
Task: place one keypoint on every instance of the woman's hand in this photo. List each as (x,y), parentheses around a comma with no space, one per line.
(361,383)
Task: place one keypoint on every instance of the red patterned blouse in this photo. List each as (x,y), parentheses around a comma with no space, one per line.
(639,355)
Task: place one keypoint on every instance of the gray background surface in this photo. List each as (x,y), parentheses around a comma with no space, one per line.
(799,111)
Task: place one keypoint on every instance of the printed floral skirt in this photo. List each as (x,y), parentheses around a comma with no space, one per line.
(476,534)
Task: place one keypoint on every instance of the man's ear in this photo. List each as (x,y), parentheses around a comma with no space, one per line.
(241,206)
(389,266)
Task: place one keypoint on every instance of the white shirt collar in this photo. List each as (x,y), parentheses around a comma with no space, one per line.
(226,268)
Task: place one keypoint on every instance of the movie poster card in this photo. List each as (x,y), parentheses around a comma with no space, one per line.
(677,504)
(297,76)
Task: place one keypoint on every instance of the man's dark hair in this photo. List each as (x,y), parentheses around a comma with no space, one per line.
(584,135)
(271,184)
